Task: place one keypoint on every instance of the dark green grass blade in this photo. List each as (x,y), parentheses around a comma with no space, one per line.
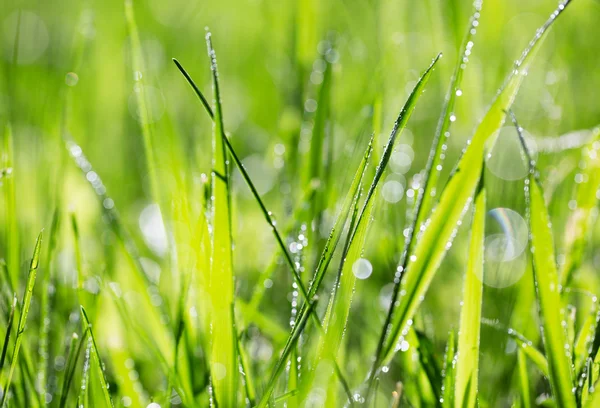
(547,288)
(87,326)
(23,317)
(469,331)
(9,324)
(74,352)
(434,241)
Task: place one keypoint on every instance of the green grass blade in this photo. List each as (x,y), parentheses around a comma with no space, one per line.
(9,324)
(138,70)
(281,363)
(523,379)
(12,230)
(435,161)
(548,290)
(224,369)
(87,326)
(468,336)
(448,374)
(587,184)
(71,363)
(23,317)
(434,241)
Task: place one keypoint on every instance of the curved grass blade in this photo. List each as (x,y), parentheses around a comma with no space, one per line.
(468,335)
(87,326)
(587,184)
(9,324)
(440,229)
(23,317)
(547,287)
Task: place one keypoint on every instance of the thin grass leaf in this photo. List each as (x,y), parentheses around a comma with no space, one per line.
(223,357)
(440,229)
(582,350)
(12,230)
(523,379)
(281,363)
(247,374)
(35,260)
(448,374)
(547,288)
(427,358)
(45,318)
(469,331)
(87,326)
(137,62)
(329,246)
(587,184)
(74,352)
(9,324)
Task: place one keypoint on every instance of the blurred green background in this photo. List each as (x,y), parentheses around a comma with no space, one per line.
(70,76)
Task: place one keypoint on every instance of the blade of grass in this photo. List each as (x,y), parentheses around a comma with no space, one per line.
(523,379)
(74,352)
(35,260)
(12,231)
(137,61)
(9,324)
(87,326)
(547,287)
(224,369)
(468,335)
(448,374)
(587,183)
(431,247)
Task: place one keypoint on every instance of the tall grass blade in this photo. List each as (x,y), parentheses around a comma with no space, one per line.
(137,63)
(23,316)
(440,229)
(547,288)
(448,374)
(468,336)
(87,327)
(523,379)
(223,357)
(71,362)
(587,184)
(10,200)
(9,324)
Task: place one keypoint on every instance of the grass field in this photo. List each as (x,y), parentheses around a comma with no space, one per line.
(255,203)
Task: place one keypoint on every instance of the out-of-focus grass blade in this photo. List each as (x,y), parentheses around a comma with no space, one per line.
(583,348)
(45,307)
(223,357)
(9,324)
(448,374)
(548,290)
(523,379)
(440,229)
(137,63)
(71,363)
(23,316)
(12,230)
(281,363)
(87,326)
(468,336)
(587,183)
